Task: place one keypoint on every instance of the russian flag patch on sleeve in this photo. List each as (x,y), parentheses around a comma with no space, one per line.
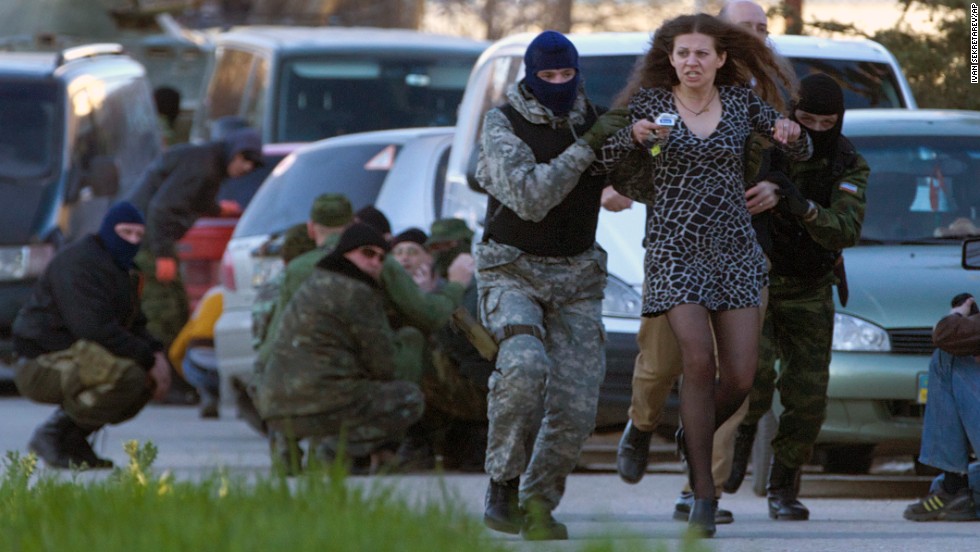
(848,187)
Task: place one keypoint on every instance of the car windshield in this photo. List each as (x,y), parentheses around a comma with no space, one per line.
(284,199)
(865,83)
(28,133)
(921,187)
(604,76)
(321,98)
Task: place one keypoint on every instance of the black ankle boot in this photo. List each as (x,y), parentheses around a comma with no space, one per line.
(502,509)
(539,524)
(783,488)
(62,443)
(633,454)
(49,440)
(744,440)
(702,518)
(81,450)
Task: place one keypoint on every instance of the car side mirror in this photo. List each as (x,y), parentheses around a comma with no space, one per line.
(471,180)
(971,254)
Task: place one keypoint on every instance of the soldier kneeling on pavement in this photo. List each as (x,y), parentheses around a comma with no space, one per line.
(83,342)
(331,368)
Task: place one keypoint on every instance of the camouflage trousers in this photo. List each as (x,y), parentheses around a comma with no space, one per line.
(547,382)
(165,305)
(93,386)
(381,415)
(798,330)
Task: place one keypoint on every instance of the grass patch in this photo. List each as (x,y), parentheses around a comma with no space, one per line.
(134,510)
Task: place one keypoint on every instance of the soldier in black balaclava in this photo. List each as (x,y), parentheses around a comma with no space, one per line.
(820,214)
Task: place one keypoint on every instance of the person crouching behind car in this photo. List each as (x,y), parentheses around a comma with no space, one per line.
(331,369)
(83,342)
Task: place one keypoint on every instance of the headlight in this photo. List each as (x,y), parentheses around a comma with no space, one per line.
(621,299)
(23,262)
(854,334)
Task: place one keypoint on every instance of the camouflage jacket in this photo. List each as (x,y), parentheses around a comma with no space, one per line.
(332,340)
(507,169)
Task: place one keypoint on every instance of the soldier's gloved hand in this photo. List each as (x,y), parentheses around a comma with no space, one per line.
(607,125)
(166,269)
(793,201)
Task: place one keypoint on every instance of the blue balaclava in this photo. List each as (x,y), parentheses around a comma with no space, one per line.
(551,50)
(122,251)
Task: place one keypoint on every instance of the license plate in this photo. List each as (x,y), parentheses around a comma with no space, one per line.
(922,383)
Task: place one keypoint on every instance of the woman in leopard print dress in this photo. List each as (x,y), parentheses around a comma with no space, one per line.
(704,267)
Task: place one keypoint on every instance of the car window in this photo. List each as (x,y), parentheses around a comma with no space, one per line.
(284,199)
(320,98)
(865,83)
(921,187)
(30,137)
(605,76)
(229,84)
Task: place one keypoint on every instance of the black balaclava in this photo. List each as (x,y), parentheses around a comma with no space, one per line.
(821,95)
(122,251)
(551,50)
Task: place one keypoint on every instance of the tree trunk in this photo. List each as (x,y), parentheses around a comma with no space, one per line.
(793,13)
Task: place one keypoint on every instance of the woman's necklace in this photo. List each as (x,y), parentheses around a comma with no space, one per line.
(704,109)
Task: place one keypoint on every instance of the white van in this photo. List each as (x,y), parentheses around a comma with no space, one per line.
(300,84)
(870,76)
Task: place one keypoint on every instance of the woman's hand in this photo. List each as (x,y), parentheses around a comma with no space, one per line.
(646,131)
(785,131)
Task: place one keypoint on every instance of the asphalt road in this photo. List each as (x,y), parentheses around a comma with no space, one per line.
(847,513)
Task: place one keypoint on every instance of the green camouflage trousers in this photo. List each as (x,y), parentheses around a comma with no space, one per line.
(557,372)
(165,305)
(798,330)
(92,386)
(381,415)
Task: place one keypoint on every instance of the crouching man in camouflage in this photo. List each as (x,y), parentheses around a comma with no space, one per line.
(83,342)
(541,277)
(331,366)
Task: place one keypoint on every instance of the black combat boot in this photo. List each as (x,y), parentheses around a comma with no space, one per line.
(62,443)
(539,524)
(633,453)
(783,488)
(49,440)
(81,450)
(502,509)
(744,439)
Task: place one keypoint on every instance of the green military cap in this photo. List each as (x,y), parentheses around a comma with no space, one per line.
(449,229)
(332,210)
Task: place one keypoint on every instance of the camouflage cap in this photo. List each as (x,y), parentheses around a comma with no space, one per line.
(332,210)
(449,229)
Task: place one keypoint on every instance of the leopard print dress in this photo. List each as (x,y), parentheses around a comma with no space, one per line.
(700,245)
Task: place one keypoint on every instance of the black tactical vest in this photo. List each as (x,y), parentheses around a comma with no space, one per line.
(569,228)
(794,253)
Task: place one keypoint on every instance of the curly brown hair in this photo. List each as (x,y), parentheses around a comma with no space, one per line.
(749,59)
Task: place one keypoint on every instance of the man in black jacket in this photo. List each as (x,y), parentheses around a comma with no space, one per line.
(178,188)
(83,344)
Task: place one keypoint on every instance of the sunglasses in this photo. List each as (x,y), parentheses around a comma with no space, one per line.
(370,253)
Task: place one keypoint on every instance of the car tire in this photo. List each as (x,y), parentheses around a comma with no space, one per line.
(848,459)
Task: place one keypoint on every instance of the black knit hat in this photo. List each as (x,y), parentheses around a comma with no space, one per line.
(375,218)
(414,235)
(359,235)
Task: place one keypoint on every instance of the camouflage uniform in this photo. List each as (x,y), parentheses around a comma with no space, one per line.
(799,322)
(557,367)
(294,242)
(332,364)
